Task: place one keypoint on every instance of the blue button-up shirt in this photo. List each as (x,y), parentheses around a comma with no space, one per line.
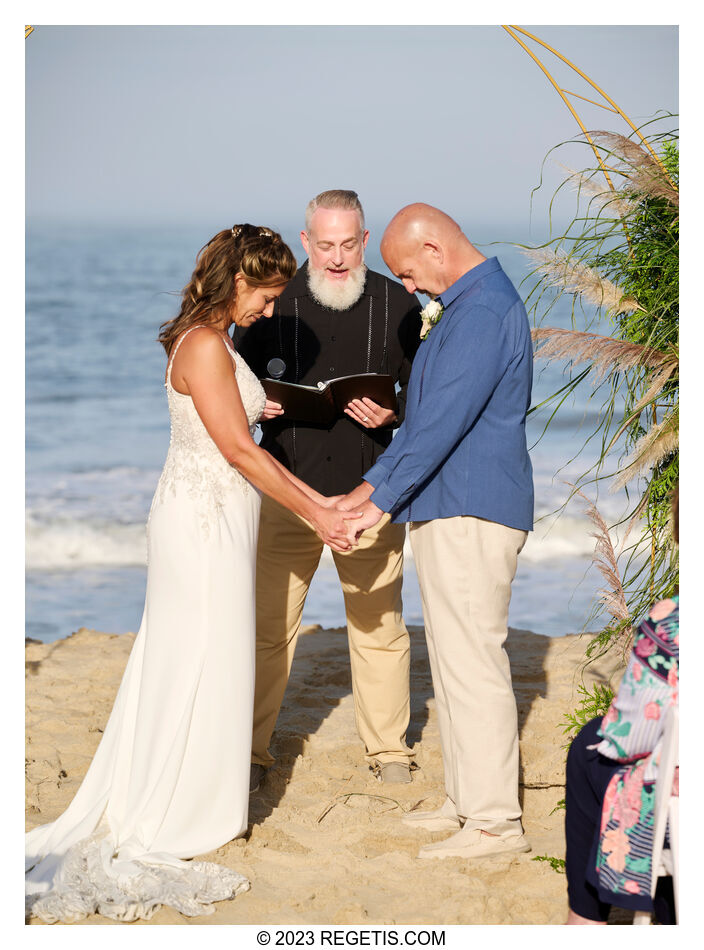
(462,447)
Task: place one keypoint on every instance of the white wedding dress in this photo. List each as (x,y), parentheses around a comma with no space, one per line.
(170,778)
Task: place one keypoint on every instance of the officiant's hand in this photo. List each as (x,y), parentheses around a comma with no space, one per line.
(271,411)
(369,414)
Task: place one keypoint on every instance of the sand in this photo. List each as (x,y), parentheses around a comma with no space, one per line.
(325,844)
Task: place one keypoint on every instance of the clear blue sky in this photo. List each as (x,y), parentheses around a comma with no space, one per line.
(151,124)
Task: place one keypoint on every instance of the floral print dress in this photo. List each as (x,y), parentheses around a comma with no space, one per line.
(632,732)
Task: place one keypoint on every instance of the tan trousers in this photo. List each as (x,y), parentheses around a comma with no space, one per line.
(371,576)
(465,568)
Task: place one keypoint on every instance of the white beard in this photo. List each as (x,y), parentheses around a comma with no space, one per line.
(337,294)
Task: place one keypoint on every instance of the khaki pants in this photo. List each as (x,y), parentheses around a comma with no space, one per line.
(465,568)
(371,576)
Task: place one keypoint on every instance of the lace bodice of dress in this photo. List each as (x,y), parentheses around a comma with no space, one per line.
(194,460)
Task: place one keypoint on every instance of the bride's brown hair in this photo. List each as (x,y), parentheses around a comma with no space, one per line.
(258,254)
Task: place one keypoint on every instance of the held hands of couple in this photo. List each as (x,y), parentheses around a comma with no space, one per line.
(358,502)
(369,514)
(358,513)
(369,414)
(337,528)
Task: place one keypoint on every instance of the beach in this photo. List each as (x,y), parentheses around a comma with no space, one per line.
(325,843)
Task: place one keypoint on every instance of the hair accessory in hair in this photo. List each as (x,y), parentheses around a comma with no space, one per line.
(236,230)
(265,232)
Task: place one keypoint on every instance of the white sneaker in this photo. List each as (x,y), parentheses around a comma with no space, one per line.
(443,818)
(471,843)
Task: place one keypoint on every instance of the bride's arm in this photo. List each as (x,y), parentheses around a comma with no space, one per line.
(323,500)
(205,369)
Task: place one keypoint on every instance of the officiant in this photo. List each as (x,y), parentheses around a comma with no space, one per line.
(335,318)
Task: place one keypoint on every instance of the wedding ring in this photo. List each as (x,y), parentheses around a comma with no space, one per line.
(365,419)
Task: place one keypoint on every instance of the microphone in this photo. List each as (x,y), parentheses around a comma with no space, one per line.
(276,368)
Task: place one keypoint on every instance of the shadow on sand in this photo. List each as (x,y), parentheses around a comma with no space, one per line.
(320,680)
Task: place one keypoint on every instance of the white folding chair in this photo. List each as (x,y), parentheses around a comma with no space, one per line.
(667,814)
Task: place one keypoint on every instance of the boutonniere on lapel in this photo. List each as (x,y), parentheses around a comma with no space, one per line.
(430,315)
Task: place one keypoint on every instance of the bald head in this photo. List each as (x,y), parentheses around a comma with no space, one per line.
(416,222)
(426,249)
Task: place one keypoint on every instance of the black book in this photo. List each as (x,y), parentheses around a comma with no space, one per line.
(324,403)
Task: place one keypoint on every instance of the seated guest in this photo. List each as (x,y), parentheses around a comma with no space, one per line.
(611,771)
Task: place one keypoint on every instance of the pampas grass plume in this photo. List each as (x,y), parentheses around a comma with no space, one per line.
(559,270)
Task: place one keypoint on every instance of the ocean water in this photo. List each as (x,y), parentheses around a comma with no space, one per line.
(97,432)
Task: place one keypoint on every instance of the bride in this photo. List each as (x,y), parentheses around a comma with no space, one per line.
(170,778)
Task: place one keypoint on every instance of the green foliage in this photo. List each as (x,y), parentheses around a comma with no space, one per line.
(646,265)
(628,235)
(560,806)
(590,706)
(557,864)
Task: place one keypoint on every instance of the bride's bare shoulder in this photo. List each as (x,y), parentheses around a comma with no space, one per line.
(198,351)
(197,336)
(201,343)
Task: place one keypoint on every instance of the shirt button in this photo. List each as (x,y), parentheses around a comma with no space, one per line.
(329,458)
(332,369)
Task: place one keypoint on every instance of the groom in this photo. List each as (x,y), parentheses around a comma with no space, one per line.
(458,470)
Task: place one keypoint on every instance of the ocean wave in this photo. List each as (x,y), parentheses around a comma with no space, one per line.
(64,543)
(560,539)
(119,494)
(68,544)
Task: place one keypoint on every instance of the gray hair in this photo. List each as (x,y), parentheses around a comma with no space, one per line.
(335,199)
